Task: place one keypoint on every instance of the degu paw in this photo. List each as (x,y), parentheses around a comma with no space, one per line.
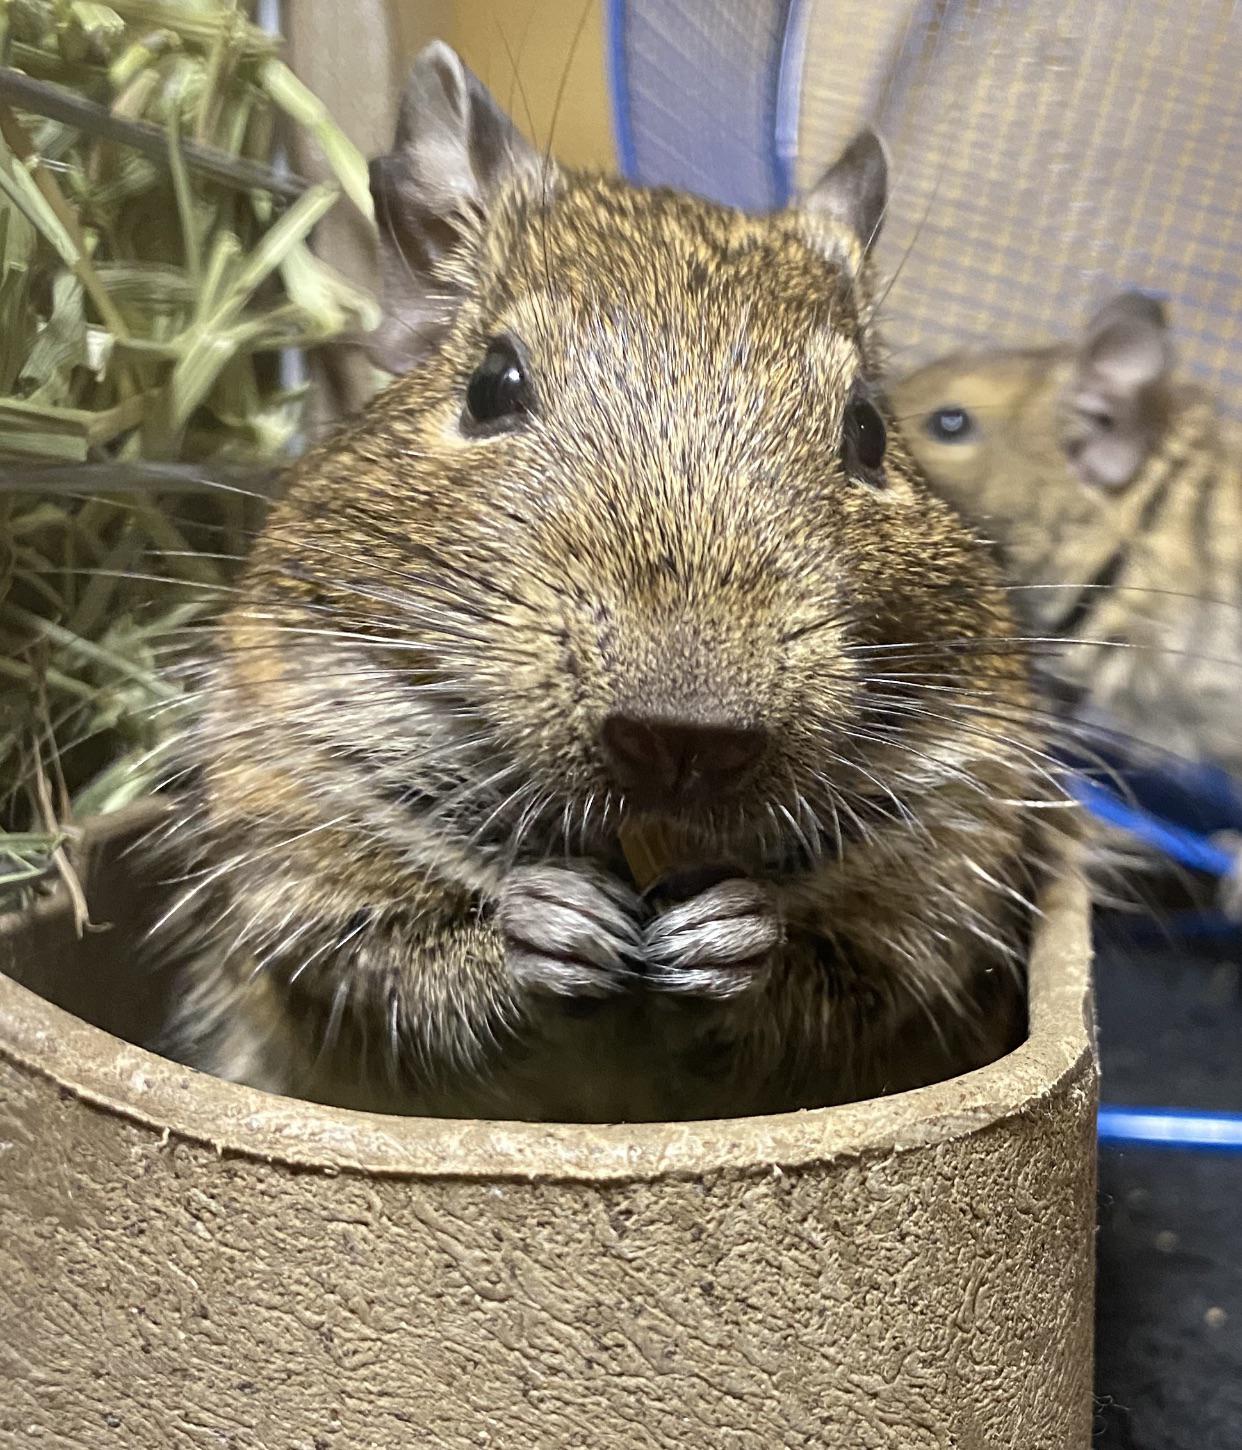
(718,944)
(569,930)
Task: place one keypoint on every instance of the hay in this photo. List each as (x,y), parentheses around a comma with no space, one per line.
(154,265)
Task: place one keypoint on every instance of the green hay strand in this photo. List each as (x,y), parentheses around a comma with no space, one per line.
(145,295)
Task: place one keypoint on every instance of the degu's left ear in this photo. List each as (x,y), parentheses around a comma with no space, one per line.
(1116,401)
(454,152)
(846,206)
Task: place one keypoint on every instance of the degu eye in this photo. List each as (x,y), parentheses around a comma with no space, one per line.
(950,425)
(499,388)
(865,439)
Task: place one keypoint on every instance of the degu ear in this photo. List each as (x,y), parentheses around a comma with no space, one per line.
(850,197)
(1117,390)
(454,151)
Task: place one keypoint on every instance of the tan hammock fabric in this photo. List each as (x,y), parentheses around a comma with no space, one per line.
(1045,155)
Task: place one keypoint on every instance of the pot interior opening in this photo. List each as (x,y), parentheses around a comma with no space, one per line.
(109,975)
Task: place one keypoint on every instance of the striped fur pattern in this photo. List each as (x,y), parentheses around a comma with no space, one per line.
(408,893)
(1131,573)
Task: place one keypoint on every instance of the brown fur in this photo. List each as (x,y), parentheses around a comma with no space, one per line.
(411,686)
(1152,653)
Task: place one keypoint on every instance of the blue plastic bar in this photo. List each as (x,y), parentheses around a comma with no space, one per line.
(787,104)
(1190,849)
(786,85)
(619,84)
(695,97)
(1171,1128)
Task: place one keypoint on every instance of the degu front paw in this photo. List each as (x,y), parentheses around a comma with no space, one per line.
(718,944)
(569,930)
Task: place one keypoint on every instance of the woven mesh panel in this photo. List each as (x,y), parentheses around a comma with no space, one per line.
(700,84)
(1044,157)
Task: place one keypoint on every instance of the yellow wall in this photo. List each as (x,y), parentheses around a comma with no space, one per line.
(538,35)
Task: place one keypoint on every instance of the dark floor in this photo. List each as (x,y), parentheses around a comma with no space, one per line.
(1169,1349)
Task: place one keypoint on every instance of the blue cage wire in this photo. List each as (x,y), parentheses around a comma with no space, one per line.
(708,98)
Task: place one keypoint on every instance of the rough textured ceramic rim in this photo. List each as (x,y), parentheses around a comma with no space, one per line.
(177,1102)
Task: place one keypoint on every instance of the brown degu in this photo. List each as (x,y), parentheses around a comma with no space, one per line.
(626,566)
(1114,493)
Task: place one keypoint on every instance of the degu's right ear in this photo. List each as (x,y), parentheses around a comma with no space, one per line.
(1117,399)
(454,151)
(845,208)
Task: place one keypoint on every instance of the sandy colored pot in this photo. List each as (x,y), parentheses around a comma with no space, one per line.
(185,1262)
